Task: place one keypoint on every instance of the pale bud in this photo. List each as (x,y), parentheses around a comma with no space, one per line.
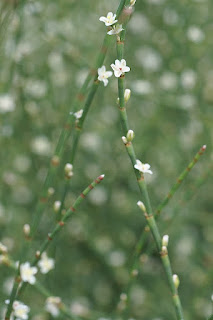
(176,280)
(132,2)
(68,168)
(26,229)
(130,135)
(127,95)
(3,248)
(135,273)
(165,240)
(51,191)
(57,206)
(123,297)
(141,206)
(124,139)
(212,297)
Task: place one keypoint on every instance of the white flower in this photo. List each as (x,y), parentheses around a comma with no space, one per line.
(20,310)
(142,167)
(27,273)
(109,19)
(46,264)
(115,29)
(103,75)
(52,305)
(6,103)
(119,67)
(3,248)
(78,114)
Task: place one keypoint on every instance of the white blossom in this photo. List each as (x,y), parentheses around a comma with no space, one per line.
(28,273)
(195,34)
(20,310)
(103,75)
(115,29)
(52,305)
(45,263)
(78,114)
(6,103)
(142,167)
(119,67)
(109,19)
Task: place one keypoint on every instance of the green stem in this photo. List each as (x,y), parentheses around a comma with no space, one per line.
(141,182)
(61,223)
(144,235)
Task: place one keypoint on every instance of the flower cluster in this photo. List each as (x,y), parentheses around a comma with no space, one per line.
(28,272)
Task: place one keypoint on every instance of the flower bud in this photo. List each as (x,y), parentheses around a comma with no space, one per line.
(165,240)
(51,191)
(127,95)
(176,280)
(68,168)
(57,206)
(26,229)
(124,139)
(123,297)
(130,135)
(141,206)
(132,3)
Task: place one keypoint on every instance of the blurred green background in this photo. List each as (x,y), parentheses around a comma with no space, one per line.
(47,48)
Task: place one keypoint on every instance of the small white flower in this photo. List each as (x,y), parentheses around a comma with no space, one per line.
(6,103)
(52,305)
(109,19)
(119,67)
(28,273)
(115,29)
(20,310)
(103,75)
(46,264)
(142,167)
(78,114)
(26,229)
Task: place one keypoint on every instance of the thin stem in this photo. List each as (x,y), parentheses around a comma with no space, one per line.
(142,184)
(69,125)
(51,236)
(145,233)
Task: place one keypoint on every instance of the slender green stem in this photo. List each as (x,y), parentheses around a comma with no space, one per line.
(61,223)
(144,235)
(142,184)
(180,179)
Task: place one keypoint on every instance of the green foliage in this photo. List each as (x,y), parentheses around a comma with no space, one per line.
(47,49)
